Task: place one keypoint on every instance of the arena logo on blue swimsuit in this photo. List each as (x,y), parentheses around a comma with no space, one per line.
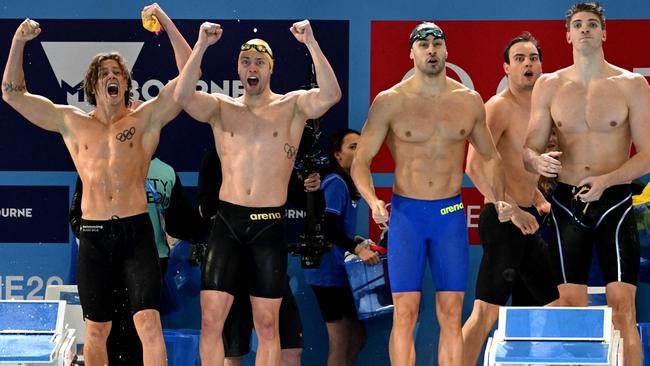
(452,208)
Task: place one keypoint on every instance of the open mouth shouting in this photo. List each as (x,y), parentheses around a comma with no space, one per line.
(253,81)
(113,89)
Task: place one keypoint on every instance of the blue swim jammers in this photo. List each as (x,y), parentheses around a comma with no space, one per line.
(427,229)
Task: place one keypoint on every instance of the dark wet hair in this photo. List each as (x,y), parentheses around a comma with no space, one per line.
(590,7)
(336,145)
(524,37)
(92,76)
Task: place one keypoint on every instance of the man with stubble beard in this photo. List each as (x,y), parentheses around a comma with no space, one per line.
(426,121)
(598,110)
(256,136)
(512,251)
(111,148)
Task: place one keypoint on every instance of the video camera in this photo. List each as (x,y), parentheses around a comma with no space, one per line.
(312,243)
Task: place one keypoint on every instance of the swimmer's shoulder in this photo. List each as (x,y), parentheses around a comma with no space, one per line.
(227,98)
(394,94)
(387,104)
(389,99)
(550,82)
(626,77)
(555,78)
(467,95)
(500,104)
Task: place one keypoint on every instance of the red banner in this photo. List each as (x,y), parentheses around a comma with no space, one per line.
(476,59)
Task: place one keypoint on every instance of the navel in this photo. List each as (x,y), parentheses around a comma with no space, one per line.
(613,123)
(587,168)
(462,132)
(86,147)
(275,133)
(131,144)
(408,133)
(248,192)
(430,184)
(232,134)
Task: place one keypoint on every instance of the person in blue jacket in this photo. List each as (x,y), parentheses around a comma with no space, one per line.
(329,282)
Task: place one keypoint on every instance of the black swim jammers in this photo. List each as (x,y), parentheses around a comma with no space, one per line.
(608,223)
(112,252)
(508,254)
(250,239)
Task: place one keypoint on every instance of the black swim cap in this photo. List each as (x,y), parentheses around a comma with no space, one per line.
(423,30)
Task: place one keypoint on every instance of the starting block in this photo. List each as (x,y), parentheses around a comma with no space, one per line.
(73,316)
(554,336)
(32,333)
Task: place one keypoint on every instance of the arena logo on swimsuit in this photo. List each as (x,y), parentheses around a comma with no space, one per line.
(69,71)
(450,209)
(266,216)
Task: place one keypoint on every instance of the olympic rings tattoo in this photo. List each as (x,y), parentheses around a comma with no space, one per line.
(291,151)
(125,135)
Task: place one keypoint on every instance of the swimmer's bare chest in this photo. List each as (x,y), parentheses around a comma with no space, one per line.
(430,128)
(257,134)
(593,128)
(599,107)
(119,151)
(257,149)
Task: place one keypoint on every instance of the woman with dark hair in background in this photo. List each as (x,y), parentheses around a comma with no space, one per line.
(346,332)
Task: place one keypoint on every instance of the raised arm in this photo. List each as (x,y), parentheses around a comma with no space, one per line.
(539,131)
(35,108)
(372,136)
(201,106)
(315,102)
(162,109)
(638,93)
(182,50)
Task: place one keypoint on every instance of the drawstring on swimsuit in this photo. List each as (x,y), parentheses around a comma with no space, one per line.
(583,189)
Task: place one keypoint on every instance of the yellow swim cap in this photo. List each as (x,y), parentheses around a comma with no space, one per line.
(260,46)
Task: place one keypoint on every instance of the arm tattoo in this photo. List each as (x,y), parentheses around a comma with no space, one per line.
(291,151)
(125,135)
(12,87)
